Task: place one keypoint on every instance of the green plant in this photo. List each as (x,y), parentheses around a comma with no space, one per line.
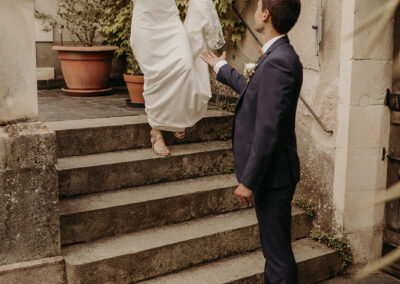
(334,242)
(82,18)
(48,22)
(229,170)
(308,206)
(227,106)
(116,30)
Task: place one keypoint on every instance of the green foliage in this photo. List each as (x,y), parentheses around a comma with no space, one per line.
(227,106)
(308,206)
(335,243)
(116,30)
(229,170)
(117,18)
(48,22)
(83,18)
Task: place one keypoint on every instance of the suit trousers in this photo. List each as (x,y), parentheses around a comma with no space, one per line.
(274,213)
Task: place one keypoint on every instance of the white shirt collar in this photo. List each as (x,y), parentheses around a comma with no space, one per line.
(270,43)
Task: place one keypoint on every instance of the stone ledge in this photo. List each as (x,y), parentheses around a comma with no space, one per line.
(26,145)
(41,271)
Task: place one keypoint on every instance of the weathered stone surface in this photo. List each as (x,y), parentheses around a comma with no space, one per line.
(109,171)
(379,278)
(29,209)
(91,136)
(359,169)
(29,222)
(315,261)
(18,98)
(40,271)
(26,145)
(99,215)
(105,214)
(317,174)
(137,256)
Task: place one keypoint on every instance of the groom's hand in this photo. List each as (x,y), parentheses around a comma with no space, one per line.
(243,194)
(211,59)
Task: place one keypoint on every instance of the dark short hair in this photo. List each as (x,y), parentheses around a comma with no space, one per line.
(284,13)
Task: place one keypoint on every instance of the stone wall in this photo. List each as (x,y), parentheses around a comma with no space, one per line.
(18,101)
(29,207)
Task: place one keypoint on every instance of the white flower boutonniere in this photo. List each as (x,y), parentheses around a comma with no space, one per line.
(249,70)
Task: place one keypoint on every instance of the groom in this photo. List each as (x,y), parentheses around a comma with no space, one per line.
(264,140)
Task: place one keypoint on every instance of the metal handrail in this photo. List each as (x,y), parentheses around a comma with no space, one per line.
(301,97)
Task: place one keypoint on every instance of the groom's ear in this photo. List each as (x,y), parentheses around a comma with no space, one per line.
(266,15)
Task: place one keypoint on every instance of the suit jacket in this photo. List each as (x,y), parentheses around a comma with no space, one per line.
(264,139)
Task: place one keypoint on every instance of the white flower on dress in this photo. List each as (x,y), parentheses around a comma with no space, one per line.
(249,70)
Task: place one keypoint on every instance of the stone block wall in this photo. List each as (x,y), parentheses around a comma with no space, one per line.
(30,250)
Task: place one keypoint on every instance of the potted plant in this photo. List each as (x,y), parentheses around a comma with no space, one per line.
(86,68)
(117,31)
(134,81)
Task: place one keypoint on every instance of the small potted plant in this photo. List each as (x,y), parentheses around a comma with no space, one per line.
(117,31)
(134,81)
(86,67)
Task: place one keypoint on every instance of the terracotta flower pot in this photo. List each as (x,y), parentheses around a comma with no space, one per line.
(135,87)
(86,70)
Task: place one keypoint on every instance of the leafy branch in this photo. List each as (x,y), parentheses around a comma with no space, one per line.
(82,18)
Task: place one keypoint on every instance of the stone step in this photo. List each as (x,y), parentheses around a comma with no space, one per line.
(138,256)
(90,217)
(315,263)
(106,214)
(92,136)
(141,255)
(81,175)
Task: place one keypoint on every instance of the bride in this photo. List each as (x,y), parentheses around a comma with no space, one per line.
(177,83)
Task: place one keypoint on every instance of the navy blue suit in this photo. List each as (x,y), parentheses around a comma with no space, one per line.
(265,149)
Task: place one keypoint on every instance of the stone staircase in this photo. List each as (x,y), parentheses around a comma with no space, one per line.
(130,216)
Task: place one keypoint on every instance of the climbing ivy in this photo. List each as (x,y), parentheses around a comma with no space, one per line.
(48,22)
(116,29)
(336,243)
(308,206)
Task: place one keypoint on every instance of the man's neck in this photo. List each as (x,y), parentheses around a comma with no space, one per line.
(269,34)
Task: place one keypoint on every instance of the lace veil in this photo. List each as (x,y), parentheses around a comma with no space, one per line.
(210,22)
(213,29)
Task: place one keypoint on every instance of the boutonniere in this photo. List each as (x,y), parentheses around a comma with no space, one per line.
(249,70)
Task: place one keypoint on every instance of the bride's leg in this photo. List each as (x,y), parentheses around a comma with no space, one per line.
(180,134)
(158,144)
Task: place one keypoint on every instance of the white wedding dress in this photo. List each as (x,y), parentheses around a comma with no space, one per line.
(176,81)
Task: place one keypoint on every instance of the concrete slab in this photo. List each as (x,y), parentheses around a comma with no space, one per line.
(55,106)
